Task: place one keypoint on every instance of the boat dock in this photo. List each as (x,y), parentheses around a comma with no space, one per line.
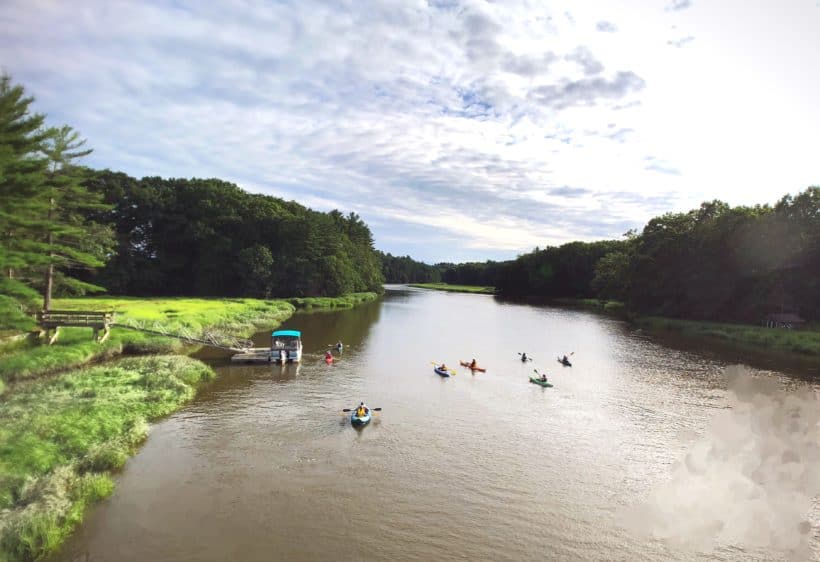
(253,355)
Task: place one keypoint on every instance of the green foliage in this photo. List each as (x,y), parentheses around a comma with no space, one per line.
(724,263)
(209,237)
(13,315)
(801,342)
(22,174)
(404,269)
(74,243)
(59,437)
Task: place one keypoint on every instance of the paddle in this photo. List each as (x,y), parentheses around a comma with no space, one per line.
(537,373)
(451,371)
(371,409)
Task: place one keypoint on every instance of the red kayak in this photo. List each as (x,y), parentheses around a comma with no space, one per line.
(467,364)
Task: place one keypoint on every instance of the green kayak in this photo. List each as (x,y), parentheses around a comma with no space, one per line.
(537,380)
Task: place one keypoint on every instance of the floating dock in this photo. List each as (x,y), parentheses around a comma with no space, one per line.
(253,355)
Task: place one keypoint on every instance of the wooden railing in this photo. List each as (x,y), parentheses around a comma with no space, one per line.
(56,319)
(82,318)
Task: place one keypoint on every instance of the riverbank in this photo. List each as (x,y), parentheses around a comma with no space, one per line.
(800,344)
(455,288)
(62,435)
(75,348)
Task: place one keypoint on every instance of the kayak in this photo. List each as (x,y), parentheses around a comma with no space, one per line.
(467,364)
(536,380)
(360,421)
(441,372)
(565,363)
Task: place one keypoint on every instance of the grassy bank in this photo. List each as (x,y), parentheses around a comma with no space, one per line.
(455,288)
(75,348)
(61,437)
(610,307)
(803,343)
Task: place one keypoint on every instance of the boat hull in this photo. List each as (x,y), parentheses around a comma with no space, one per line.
(440,372)
(360,421)
(539,382)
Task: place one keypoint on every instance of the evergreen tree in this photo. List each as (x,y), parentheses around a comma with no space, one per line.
(22,174)
(73,242)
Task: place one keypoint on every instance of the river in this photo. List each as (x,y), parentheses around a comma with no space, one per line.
(264,466)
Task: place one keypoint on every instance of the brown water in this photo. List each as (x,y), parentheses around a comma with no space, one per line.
(263,465)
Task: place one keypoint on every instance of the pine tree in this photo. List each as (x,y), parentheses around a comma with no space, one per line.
(73,242)
(22,174)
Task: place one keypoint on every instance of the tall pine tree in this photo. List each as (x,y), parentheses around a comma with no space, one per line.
(22,174)
(73,242)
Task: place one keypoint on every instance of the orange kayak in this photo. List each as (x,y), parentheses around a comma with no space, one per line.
(467,364)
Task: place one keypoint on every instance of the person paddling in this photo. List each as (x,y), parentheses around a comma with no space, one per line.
(361,410)
(524,357)
(339,345)
(473,364)
(328,355)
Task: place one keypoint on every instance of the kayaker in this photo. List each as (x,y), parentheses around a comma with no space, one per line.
(565,360)
(361,410)
(523,357)
(473,364)
(328,355)
(442,367)
(543,378)
(339,345)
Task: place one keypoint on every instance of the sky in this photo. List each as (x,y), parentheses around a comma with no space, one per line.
(459,131)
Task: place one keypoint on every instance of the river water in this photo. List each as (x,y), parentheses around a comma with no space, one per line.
(264,466)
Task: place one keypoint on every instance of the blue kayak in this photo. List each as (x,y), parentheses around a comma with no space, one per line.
(441,372)
(360,421)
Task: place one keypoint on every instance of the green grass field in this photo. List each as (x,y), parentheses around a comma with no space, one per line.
(455,288)
(61,437)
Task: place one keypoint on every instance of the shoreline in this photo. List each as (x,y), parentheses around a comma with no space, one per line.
(75,348)
(454,288)
(84,408)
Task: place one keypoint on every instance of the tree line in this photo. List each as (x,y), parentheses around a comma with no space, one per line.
(715,262)
(66,229)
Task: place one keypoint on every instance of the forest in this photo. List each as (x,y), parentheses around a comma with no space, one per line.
(716,262)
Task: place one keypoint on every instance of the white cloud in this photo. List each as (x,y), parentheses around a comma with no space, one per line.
(486,120)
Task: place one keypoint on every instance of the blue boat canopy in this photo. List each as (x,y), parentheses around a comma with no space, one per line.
(286,333)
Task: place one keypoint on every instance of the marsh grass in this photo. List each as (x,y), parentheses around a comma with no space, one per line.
(456,288)
(60,437)
(346,301)
(801,342)
(75,347)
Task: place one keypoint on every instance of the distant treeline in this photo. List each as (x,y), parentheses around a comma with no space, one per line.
(207,237)
(712,263)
